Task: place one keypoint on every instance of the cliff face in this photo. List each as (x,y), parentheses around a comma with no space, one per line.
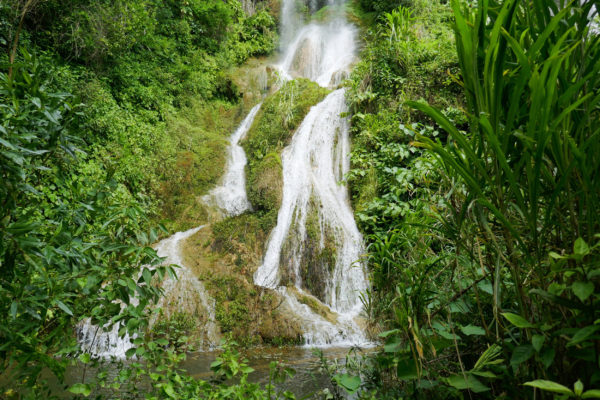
(250,7)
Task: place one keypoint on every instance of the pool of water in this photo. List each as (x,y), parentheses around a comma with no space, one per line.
(307,380)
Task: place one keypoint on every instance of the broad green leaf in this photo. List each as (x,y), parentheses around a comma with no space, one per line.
(147,276)
(468,381)
(517,320)
(581,248)
(537,342)
(81,388)
(472,330)
(591,394)
(547,356)
(583,334)
(247,370)
(549,386)
(583,290)
(393,347)
(521,354)
(85,358)
(348,382)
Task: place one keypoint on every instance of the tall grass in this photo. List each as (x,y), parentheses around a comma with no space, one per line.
(530,72)
(530,163)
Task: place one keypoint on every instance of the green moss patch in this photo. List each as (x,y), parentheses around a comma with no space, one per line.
(252,315)
(273,128)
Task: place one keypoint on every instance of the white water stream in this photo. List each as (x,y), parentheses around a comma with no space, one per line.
(230,197)
(187,293)
(313,168)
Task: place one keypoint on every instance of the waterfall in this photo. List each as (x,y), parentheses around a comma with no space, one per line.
(187,293)
(322,53)
(312,255)
(313,252)
(313,166)
(231,197)
(96,342)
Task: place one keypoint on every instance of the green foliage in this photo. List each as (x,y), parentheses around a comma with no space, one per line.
(382,6)
(231,303)
(485,273)
(153,77)
(126,104)
(176,329)
(70,241)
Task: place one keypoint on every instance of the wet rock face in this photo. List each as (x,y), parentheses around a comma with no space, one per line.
(307,59)
(251,6)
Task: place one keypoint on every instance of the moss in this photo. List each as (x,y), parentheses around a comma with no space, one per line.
(318,262)
(273,128)
(316,306)
(191,159)
(242,238)
(251,314)
(265,183)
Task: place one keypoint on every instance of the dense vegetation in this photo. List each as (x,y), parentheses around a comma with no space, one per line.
(474,180)
(108,111)
(481,207)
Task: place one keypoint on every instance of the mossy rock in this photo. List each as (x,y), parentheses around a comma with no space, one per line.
(265,189)
(191,159)
(251,314)
(272,130)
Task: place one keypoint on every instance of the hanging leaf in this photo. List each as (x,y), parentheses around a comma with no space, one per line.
(472,330)
(517,320)
(583,334)
(64,307)
(581,248)
(467,381)
(549,386)
(521,354)
(538,341)
(583,290)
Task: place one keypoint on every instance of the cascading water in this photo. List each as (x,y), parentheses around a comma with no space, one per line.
(96,342)
(230,197)
(322,53)
(313,166)
(315,246)
(187,293)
